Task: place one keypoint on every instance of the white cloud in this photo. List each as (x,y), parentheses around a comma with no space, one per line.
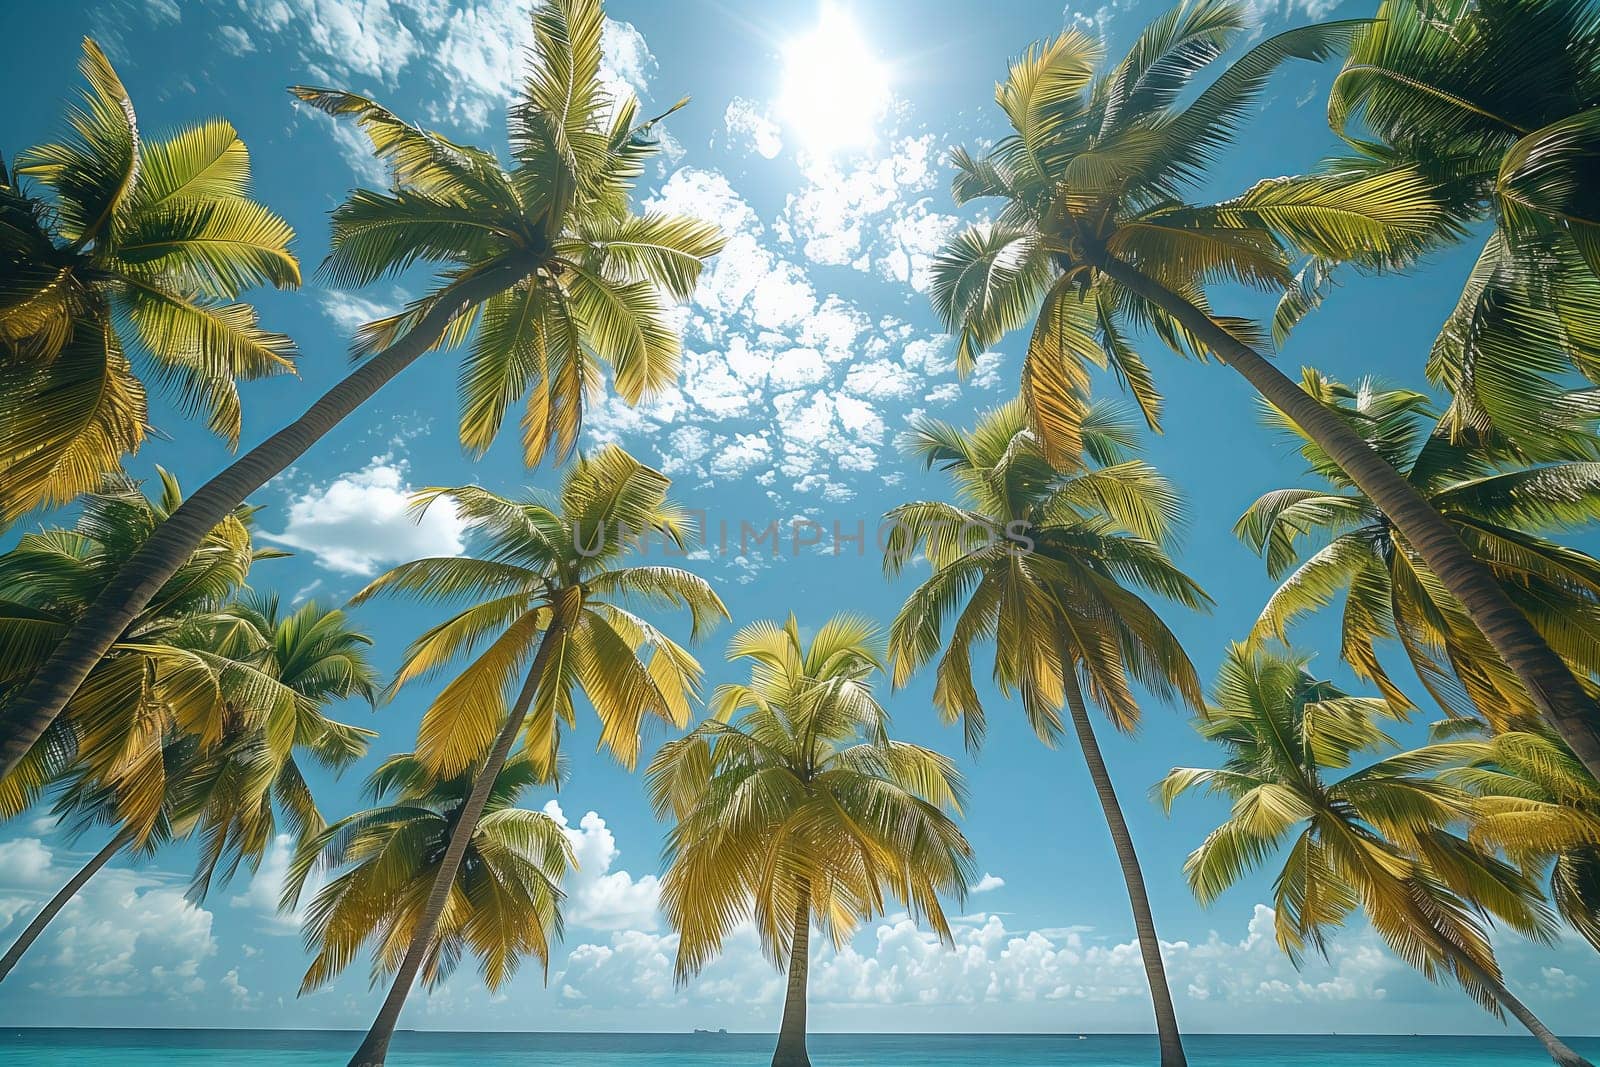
(988,883)
(235,41)
(25,861)
(349,312)
(126,932)
(266,889)
(362,520)
(597,896)
(752,129)
(352,146)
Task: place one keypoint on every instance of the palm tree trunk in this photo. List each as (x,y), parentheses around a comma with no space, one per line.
(791,1051)
(59,901)
(1144,922)
(1565,705)
(1559,1050)
(375,1046)
(137,580)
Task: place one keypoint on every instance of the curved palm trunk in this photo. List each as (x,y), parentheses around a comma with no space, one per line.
(59,901)
(1559,1050)
(1144,922)
(791,1051)
(1543,673)
(138,579)
(375,1046)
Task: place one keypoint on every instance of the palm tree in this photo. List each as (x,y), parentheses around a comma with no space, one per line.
(1095,239)
(165,675)
(126,271)
(1375,838)
(1538,804)
(1500,104)
(505,895)
(1041,563)
(321,658)
(791,804)
(226,794)
(542,265)
(1322,543)
(545,617)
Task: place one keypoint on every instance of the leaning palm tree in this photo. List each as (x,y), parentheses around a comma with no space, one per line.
(505,897)
(1539,806)
(319,657)
(544,617)
(123,269)
(226,794)
(1326,542)
(542,266)
(1095,238)
(1045,565)
(1500,103)
(166,674)
(791,804)
(1375,838)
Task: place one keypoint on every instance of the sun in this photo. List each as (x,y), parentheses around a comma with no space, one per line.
(835,89)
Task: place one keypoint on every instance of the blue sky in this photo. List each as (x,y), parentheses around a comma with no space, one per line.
(808,347)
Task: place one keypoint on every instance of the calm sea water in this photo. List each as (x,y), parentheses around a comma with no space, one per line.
(305,1048)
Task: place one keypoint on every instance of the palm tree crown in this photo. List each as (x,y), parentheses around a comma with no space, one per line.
(505,900)
(1498,498)
(553,570)
(1092,176)
(1498,103)
(582,282)
(128,273)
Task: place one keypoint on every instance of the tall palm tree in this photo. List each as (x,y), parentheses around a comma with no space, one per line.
(1323,543)
(505,895)
(1045,565)
(544,617)
(125,271)
(1537,804)
(1375,838)
(166,674)
(1095,239)
(226,794)
(1499,102)
(791,804)
(542,266)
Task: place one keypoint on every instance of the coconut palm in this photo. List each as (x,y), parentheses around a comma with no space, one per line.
(1046,565)
(544,617)
(226,794)
(122,269)
(792,805)
(1095,240)
(1330,542)
(505,895)
(1538,805)
(321,658)
(1500,104)
(167,674)
(1375,838)
(542,266)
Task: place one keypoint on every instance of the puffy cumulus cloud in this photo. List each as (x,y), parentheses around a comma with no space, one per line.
(126,932)
(896,963)
(472,51)
(362,520)
(987,884)
(597,896)
(24,862)
(751,128)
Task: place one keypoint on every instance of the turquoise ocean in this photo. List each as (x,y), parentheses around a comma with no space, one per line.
(316,1048)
